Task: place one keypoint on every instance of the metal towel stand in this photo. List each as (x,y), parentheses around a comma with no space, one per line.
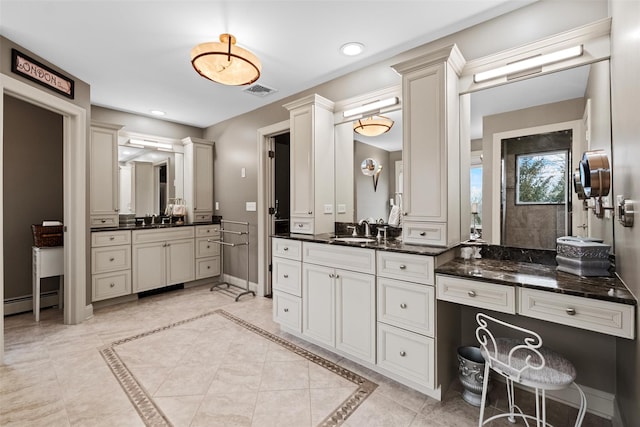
(244,236)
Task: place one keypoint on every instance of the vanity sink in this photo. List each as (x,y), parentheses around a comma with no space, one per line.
(354,239)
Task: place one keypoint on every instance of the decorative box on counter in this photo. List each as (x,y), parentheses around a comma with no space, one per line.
(583,256)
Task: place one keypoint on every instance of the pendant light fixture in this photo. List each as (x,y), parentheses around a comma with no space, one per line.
(225,63)
(372,126)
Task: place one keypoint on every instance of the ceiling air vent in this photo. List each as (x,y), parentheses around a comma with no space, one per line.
(259,90)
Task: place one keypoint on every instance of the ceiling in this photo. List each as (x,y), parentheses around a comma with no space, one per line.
(136,54)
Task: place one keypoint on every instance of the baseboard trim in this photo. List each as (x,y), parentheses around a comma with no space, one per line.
(88,312)
(25,304)
(616,421)
(239,282)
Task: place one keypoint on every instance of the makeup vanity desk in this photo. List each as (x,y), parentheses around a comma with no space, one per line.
(599,304)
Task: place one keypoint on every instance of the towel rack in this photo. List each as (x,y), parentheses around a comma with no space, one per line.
(241,230)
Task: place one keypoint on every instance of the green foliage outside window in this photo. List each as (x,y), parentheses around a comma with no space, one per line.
(541,178)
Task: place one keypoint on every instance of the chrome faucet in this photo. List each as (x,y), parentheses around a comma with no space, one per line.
(367,230)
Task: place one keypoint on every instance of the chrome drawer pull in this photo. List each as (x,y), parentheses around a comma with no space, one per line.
(285,249)
(471,294)
(423,233)
(403,305)
(571,311)
(111,238)
(403,353)
(402,266)
(111,259)
(286,276)
(286,310)
(111,285)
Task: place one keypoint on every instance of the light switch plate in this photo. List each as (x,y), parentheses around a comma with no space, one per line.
(217,205)
(251,206)
(243,173)
(342,208)
(328,209)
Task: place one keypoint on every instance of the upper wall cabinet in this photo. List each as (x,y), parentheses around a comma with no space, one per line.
(312,165)
(103,175)
(198,179)
(431,147)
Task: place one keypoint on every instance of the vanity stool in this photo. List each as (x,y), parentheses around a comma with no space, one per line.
(525,361)
(47,262)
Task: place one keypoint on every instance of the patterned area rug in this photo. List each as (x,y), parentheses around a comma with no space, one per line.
(116,356)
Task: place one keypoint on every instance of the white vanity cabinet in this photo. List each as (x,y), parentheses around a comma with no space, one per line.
(198,179)
(207,251)
(110,264)
(312,165)
(338,298)
(162,257)
(286,280)
(406,318)
(431,147)
(104,193)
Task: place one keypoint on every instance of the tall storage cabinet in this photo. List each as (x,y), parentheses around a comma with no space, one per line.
(198,179)
(431,147)
(312,165)
(104,195)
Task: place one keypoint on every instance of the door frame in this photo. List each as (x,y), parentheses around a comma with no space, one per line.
(74,189)
(264,196)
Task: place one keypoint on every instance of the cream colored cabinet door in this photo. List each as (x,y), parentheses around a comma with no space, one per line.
(318,307)
(149,266)
(198,179)
(103,175)
(356,314)
(302,164)
(180,261)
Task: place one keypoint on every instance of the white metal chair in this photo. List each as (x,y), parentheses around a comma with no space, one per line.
(524,361)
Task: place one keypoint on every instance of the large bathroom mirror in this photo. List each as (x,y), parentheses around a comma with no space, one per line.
(150,178)
(368,195)
(533,132)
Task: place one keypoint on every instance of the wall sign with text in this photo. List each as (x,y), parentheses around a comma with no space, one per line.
(40,73)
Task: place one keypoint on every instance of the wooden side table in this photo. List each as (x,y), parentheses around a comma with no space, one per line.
(47,262)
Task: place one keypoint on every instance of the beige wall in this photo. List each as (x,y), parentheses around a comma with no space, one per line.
(32,178)
(625,93)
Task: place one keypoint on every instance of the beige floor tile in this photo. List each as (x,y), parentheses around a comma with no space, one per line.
(380,411)
(285,376)
(180,410)
(226,410)
(326,400)
(282,408)
(236,377)
(187,380)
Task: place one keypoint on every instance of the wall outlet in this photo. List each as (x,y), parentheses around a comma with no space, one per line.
(243,173)
(328,209)
(251,206)
(217,206)
(342,208)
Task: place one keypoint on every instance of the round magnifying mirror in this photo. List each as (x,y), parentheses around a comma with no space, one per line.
(369,167)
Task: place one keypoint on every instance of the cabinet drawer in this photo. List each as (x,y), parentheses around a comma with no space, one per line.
(285,248)
(110,285)
(353,259)
(594,315)
(162,234)
(207,247)
(406,354)
(207,267)
(211,231)
(406,305)
(287,276)
(415,268)
(203,216)
(286,311)
(110,258)
(425,233)
(104,221)
(110,238)
(302,225)
(476,294)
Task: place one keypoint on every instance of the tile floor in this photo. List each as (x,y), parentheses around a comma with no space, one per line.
(54,375)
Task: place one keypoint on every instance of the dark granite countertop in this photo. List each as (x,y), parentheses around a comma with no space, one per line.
(392,245)
(538,276)
(148,226)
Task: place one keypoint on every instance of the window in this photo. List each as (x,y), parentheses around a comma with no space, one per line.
(541,178)
(476,192)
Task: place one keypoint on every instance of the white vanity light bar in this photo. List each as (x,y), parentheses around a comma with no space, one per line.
(527,64)
(373,106)
(154,144)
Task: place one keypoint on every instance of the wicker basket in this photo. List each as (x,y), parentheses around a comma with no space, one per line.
(46,236)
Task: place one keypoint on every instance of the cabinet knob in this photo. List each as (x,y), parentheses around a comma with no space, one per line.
(300,225)
(111,259)
(310,212)
(471,294)
(405,213)
(402,266)
(208,267)
(423,233)
(286,310)
(571,311)
(103,221)
(116,210)
(285,249)
(111,285)
(286,276)
(208,246)
(111,238)
(403,353)
(208,231)
(403,305)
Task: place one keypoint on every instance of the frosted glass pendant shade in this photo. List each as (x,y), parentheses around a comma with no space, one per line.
(372,126)
(224,62)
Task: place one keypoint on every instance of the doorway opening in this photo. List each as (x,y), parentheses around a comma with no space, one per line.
(281,184)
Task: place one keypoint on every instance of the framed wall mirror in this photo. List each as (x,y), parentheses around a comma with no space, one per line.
(531,135)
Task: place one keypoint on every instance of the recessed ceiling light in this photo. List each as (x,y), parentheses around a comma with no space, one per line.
(352,48)
(158,113)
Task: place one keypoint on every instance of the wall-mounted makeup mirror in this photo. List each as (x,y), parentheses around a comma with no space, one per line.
(530,132)
(150,177)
